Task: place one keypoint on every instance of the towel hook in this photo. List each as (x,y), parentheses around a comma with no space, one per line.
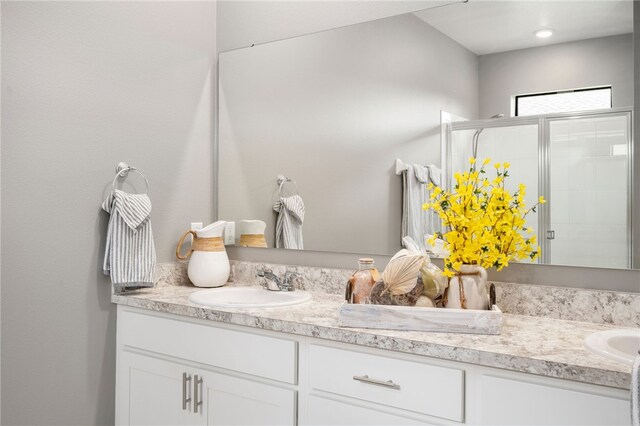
(123,169)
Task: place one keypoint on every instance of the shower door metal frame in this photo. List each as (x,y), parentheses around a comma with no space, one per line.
(544,184)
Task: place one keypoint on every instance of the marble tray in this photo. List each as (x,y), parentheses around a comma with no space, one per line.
(421,319)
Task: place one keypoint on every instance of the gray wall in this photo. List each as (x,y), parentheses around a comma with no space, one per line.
(84,86)
(586,63)
(355,99)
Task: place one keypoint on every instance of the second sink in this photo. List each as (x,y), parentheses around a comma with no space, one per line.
(248,297)
(620,345)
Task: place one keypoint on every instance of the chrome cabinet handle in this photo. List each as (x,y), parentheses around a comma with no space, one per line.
(386,384)
(185,378)
(197,400)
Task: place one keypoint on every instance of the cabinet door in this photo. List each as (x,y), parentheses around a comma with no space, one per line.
(149,391)
(506,401)
(232,401)
(324,411)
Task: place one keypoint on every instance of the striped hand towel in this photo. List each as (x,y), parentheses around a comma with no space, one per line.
(130,255)
(289,224)
(417,222)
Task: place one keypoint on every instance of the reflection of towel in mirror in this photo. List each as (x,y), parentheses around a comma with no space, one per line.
(416,222)
(130,255)
(289,224)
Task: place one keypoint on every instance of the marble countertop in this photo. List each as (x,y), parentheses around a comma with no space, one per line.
(542,346)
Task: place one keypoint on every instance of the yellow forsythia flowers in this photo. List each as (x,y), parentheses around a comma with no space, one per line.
(486,223)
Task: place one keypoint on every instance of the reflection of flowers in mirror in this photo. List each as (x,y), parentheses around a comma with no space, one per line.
(487,223)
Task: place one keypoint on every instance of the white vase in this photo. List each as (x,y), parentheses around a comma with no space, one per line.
(468,289)
(208,260)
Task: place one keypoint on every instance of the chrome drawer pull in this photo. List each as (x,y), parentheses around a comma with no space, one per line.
(367,379)
(197,400)
(185,378)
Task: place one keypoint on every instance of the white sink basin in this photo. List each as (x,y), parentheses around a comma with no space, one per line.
(248,297)
(620,345)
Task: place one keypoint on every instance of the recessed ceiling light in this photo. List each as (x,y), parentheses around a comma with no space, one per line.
(544,33)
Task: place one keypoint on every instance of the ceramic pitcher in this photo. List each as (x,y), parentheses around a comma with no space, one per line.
(468,289)
(252,233)
(208,260)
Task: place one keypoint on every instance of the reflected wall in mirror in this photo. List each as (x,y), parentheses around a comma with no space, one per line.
(333,111)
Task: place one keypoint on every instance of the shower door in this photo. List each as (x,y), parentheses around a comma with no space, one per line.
(580,162)
(589,190)
(502,140)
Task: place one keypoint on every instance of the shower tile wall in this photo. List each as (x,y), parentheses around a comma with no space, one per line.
(461,150)
(517,145)
(588,198)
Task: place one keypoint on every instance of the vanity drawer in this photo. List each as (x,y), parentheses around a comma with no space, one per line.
(422,388)
(249,353)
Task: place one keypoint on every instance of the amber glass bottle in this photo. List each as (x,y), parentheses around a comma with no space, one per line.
(363,280)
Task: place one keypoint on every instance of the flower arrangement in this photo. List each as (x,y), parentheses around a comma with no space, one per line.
(487,224)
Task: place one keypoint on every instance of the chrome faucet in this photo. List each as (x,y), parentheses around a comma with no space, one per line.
(274,283)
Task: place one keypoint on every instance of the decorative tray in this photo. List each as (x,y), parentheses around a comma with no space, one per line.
(421,319)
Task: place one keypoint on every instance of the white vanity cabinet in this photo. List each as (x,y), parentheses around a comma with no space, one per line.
(506,398)
(159,392)
(325,411)
(150,391)
(360,386)
(232,401)
(337,376)
(175,370)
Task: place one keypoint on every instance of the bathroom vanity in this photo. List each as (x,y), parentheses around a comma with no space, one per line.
(401,88)
(179,363)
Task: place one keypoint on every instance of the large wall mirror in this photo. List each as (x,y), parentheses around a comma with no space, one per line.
(323,125)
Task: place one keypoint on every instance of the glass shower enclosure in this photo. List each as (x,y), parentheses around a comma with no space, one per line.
(580,162)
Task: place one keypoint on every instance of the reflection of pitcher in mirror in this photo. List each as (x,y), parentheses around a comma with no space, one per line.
(252,233)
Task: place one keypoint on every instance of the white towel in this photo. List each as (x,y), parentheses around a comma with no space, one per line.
(635,392)
(130,255)
(435,174)
(417,222)
(289,224)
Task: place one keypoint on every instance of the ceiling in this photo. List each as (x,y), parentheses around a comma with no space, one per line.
(491,26)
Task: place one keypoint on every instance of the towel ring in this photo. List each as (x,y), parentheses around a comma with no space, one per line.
(282,180)
(123,169)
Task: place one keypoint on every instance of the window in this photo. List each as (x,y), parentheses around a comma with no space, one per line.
(563,101)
